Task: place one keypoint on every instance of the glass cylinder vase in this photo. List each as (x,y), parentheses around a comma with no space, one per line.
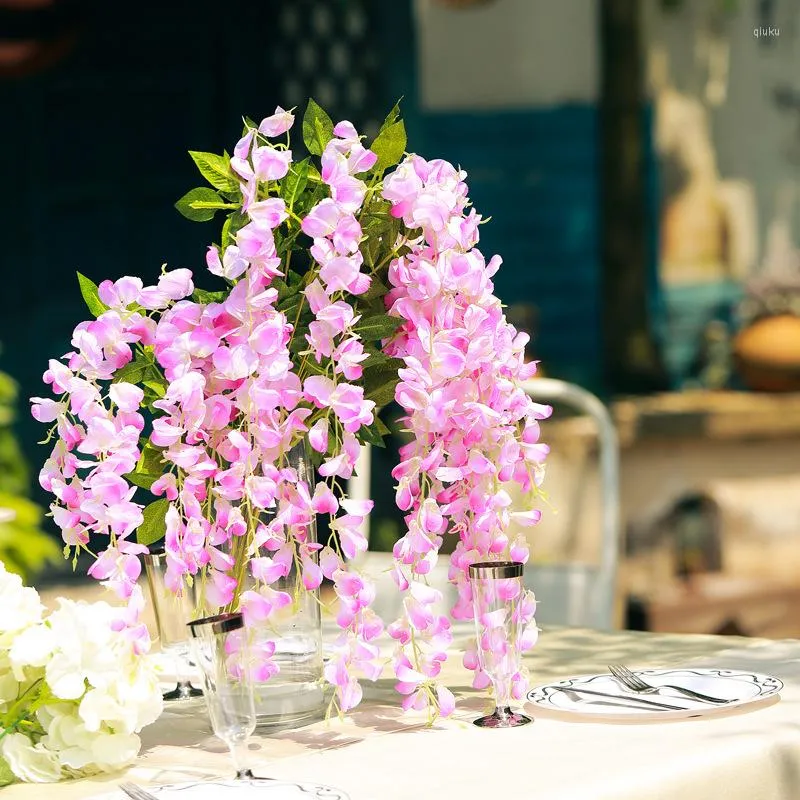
(294,696)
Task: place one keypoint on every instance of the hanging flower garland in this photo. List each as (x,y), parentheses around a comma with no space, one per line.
(198,396)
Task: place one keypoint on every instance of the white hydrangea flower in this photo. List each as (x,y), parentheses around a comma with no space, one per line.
(127,706)
(112,751)
(67,738)
(86,648)
(81,750)
(29,762)
(9,685)
(90,656)
(32,648)
(21,606)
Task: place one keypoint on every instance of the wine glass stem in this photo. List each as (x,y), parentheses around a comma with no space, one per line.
(237,749)
(502,690)
(180,668)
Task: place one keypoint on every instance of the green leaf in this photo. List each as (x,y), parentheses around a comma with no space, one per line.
(151,461)
(153,527)
(299,343)
(373,434)
(316,458)
(317,128)
(206,297)
(376,289)
(158,388)
(133,372)
(90,296)
(382,428)
(6,775)
(379,326)
(310,197)
(290,290)
(200,205)
(371,250)
(389,146)
(376,225)
(295,182)
(375,358)
(282,287)
(392,116)
(290,306)
(233,223)
(312,368)
(294,278)
(141,479)
(216,170)
(383,393)
(380,381)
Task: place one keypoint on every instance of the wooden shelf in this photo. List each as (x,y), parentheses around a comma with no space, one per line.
(757,607)
(709,415)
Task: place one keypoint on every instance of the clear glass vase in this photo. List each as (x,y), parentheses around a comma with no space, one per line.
(295,695)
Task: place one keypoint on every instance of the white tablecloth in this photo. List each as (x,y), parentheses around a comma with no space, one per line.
(378,753)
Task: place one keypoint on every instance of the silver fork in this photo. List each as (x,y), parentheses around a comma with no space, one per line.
(136,792)
(634,682)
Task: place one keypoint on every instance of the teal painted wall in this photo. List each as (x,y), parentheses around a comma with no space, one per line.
(535,174)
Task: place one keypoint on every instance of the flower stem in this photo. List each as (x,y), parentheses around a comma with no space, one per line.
(13,712)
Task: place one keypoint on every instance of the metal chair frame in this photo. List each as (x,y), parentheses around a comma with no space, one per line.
(570,593)
(586,593)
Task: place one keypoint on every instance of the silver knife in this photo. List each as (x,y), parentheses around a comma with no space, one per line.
(624,698)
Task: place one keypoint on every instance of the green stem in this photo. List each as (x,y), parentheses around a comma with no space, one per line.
(9,727)
(239,552)
(297,319)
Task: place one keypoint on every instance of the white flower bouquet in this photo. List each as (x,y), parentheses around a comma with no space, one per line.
(76,686)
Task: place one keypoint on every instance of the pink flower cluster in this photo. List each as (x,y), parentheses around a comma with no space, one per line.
(336,232)
(475,429)
(99,426)
(231,403)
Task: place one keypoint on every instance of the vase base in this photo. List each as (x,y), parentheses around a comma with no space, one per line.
(289,705)
(274,723)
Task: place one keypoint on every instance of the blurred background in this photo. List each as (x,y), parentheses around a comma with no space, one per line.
(641,165)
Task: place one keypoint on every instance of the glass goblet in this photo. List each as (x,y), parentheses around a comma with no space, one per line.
(496,592)
(220,649)
(172,612)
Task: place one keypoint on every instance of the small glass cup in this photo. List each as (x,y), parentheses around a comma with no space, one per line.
(172,612)
(496,592)
(220,648)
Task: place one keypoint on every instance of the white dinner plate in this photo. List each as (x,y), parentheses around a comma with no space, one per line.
(236,790)
(738,688)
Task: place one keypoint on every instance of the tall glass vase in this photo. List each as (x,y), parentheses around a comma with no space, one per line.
(294,696)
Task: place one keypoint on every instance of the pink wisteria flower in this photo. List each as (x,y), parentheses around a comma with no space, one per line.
(344,280)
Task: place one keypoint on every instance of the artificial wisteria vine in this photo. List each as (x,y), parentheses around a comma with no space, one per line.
(198,397)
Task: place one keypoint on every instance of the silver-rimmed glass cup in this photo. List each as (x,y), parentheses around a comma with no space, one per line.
(221,651)
(497,590)
(172,612)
